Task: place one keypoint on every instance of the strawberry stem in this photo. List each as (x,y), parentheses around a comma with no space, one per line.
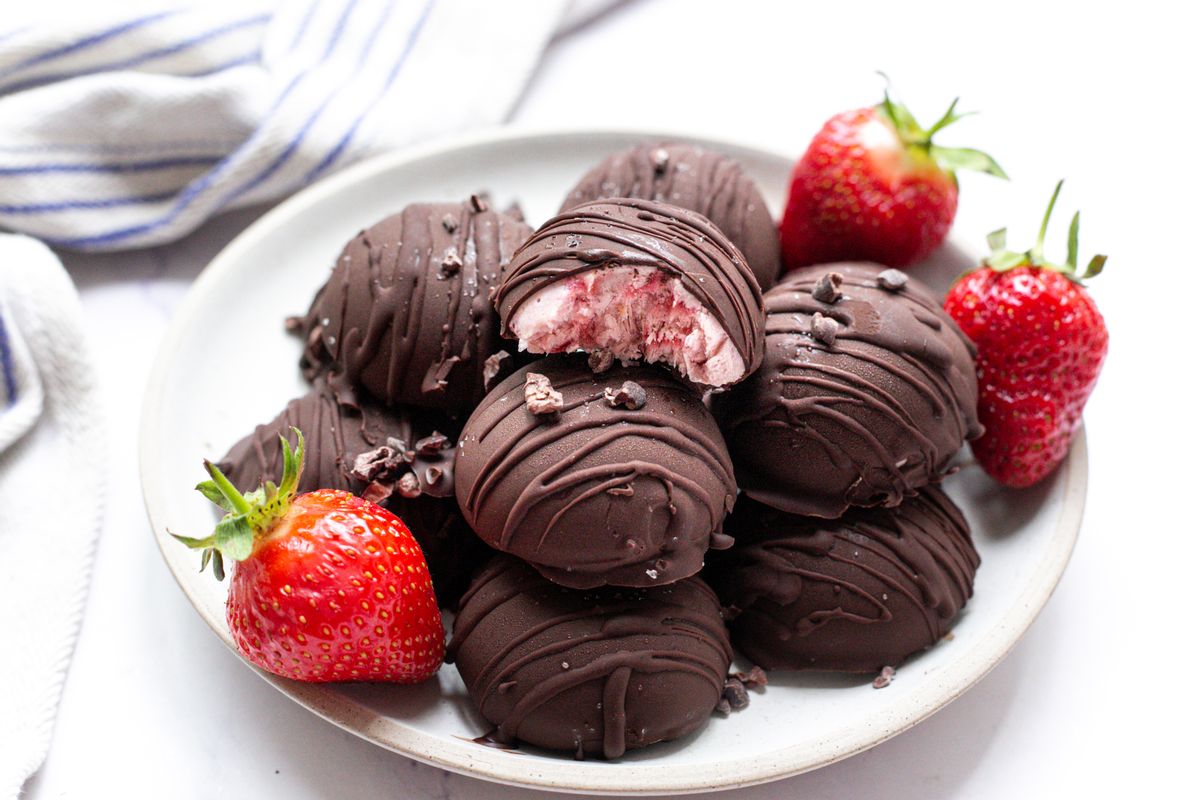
(1003,259)
(919,141)
(1036,253)
(249,515)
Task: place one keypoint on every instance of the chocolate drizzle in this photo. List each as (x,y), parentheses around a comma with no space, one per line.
(860,401)
(642,233)
(694,178)
(596,672)
(599,493)
(852,595)
(337,432)
(406,313)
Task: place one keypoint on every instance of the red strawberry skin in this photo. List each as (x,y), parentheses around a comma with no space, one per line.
(858,194)
(1041,343)
(338,590)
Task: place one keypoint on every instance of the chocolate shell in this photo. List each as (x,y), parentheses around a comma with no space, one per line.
(866,393)
(403,463)
(628,489)
(595,672)
(642,234)
(695,178)
(407,315)
(854,594)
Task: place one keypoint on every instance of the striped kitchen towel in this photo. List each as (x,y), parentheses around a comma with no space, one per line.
(125,129)
(52,487)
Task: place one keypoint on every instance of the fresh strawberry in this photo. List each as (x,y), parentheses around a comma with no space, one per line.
(873,187)
(326,586)
(1041,344)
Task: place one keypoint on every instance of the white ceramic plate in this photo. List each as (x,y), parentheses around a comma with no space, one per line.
(227,365)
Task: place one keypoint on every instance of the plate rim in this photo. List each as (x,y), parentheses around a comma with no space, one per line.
(643,777)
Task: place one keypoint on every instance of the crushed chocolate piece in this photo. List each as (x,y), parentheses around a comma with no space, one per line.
(450,223)
(735,693)
(622,491)
(723,708)
(432,444)
(478,203)
(891,279)
(631,395)
(572,240)
(493,365)
(824,329)
(383,459)
(827,289)
(600,361)
(540,395)
(408,486)
(293,324)
(451,263)
(376,492)
(885,678)
(754,679)
(661,159)
(433,475)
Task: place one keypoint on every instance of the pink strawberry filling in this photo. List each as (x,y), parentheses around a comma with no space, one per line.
(634,313)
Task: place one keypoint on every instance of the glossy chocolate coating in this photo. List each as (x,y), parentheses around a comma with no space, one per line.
(859,402)
(642,233)
(336,432)
(854,594)
(594,672)
(597,494)
(406,313)
(695,178)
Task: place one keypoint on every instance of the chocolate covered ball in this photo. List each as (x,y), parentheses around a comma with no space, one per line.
(866,393)
(616,478)
(595,672)
(406,314)
(693,177)
(854,594)
(636,280)
(397,458)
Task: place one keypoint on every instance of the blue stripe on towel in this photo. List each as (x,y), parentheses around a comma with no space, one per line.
(340,147)
(83,205)
(132,166)
(83,44)
(6,366)
(312,6)
(142,58)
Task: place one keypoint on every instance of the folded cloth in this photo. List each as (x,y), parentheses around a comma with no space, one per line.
(52,453)
(124,129)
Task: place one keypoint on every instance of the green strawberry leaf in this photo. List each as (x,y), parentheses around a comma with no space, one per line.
(1073,244)
(1095,266)
(210,490)
(998,239)
(952,159)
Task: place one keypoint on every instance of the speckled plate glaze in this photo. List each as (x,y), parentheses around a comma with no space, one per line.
(801,722)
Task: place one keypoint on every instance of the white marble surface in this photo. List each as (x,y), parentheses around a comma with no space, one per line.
(1094,699)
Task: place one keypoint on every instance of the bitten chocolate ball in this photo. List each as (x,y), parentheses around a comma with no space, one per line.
(866,393)
(406,314)
(854,594)
(616,478)
(397,458)
(636,280)
(595,672)
(695,178)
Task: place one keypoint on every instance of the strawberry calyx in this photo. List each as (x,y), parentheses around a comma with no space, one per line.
(249,515)
(1003,259)
(918,141)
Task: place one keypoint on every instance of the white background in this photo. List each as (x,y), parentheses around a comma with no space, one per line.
(1099,699)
